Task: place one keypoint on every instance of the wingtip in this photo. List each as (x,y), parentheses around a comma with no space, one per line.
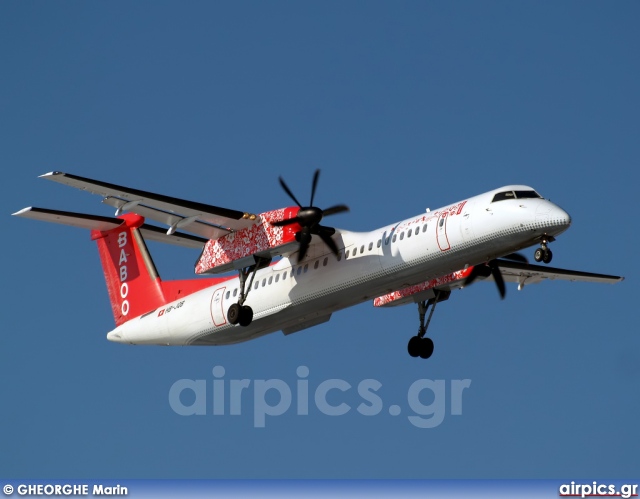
(22,211)
(51,174)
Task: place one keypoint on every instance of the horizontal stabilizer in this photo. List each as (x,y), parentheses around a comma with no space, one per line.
(102,224)
(81,220)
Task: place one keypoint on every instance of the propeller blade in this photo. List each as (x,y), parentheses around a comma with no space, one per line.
(340,208)
(326,237)
(323,228)
(313,186)
(288,191)
(516,257)
(288,221)
(497,276)
(478,271)
(304,246)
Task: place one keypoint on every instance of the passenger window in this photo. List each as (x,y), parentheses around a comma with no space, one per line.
(379,243)
(362,249)
(339,255)
(306,267)
(256,285)
(277,277)
(264,282)
(228,293)
(424,228)
(409,232)
(324,263)
(235,292)
(315,265)
(299,270)
(270,280)
(370,246)
(417,230)
(401,236)
(394,237)
(346,253)
(441,222)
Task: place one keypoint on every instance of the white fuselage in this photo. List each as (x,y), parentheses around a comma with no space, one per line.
(289,296)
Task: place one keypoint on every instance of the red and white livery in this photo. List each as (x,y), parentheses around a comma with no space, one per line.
(285,271)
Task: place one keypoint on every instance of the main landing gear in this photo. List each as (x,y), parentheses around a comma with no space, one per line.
(419,346)
(239,313)
(543,253)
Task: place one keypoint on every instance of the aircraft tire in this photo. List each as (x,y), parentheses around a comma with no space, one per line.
(414,346)
(426,348)
(538,255)
(246,316)
(547,256)
(234,314)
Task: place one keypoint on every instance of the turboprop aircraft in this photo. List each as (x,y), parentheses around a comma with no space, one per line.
(287,272)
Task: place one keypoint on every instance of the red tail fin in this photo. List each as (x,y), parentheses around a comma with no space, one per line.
(132,280)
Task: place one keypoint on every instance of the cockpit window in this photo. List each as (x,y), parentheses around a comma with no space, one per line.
(501,196)
(527,194)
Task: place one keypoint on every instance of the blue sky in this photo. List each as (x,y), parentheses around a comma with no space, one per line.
(403,106)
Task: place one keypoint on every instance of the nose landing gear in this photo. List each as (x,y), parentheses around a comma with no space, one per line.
(543,253)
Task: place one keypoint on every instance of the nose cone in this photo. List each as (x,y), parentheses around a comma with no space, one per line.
(560,217)
(553,219)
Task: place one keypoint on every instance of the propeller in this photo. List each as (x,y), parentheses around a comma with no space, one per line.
(309,218)
(491,268)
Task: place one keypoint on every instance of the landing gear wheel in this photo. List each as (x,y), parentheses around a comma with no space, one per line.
(538,255)
(234,313)
(547,256)
(414,346)
(246,315)
(426,348)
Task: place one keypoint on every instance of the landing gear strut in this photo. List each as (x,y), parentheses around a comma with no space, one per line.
(543,253)
(419,346)
(239,313)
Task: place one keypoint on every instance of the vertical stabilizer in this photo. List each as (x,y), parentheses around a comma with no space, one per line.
(132,280)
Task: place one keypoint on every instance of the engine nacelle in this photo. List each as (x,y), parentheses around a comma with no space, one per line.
(243,248)
(424,290)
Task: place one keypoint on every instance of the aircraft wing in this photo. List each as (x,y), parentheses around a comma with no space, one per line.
(199,218)
(521,273)
(524,274)
(100,223)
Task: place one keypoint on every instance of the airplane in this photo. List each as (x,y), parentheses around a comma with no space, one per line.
(285,271)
